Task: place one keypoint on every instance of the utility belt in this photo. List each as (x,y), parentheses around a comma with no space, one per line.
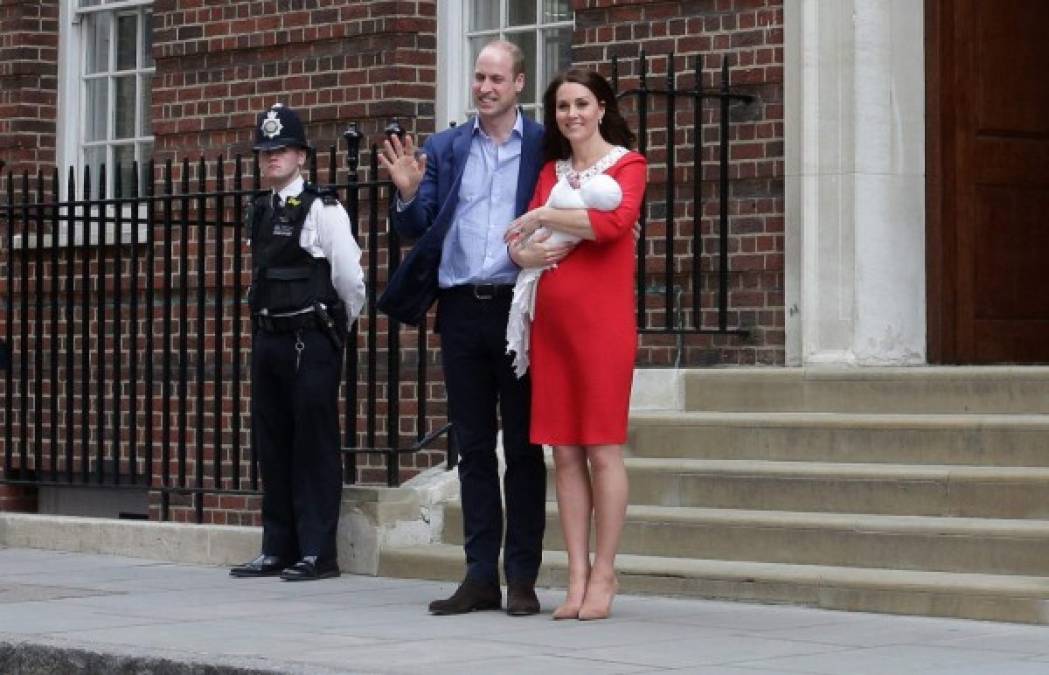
(329,320)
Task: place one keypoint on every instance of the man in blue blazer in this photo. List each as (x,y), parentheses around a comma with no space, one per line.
(457,197)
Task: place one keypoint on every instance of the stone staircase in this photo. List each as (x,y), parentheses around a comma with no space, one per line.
(914,491)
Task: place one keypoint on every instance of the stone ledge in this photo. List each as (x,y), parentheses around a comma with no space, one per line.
(371,518)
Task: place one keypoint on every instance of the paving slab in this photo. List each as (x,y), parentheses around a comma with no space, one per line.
(87,613)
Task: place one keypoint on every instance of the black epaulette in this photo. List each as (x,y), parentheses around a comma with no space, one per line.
(328,196)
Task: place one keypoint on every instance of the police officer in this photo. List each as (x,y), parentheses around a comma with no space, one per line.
(307,289)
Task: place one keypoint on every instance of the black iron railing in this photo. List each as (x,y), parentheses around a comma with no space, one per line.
(126,319)
(667,280)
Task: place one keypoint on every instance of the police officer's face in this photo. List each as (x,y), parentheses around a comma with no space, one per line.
(281,166)
(495,88)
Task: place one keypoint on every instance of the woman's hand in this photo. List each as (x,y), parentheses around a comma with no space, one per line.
(522,228)
(537,253)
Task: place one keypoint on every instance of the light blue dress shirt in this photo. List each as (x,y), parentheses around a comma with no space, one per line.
(474,251)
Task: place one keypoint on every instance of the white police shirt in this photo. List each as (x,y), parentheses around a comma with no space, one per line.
(326,234)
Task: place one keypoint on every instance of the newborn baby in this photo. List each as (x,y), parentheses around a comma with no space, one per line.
(600,192)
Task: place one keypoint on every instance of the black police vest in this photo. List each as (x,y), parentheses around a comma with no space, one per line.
(286,278)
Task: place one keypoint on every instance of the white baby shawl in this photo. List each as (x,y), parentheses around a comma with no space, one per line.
(597,190)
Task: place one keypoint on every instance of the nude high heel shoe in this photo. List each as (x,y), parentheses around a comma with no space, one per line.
(598,601)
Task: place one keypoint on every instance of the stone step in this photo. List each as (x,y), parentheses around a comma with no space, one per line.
(977,545)
(982,440)
(991,597)
(900,489)
(985,389)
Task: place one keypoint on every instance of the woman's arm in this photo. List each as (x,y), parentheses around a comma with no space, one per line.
(592,224)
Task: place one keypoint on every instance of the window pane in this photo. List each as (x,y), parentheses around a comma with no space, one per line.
(556,10)
(526,41)
(522,12)
(484,14)
(127,41)
(95,108)
(147,96)
(147,40)
(94,158)
(557,52)
(96,44)
(123,161)
(124,107)
(89,3)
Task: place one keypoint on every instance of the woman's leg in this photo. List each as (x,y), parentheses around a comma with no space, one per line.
(574,505)
(610,500)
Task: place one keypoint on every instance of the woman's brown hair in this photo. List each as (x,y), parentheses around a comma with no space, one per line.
(613,127)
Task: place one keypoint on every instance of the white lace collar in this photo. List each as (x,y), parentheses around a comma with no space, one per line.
(576,178)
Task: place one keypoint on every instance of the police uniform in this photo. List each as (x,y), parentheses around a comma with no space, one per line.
(307,289)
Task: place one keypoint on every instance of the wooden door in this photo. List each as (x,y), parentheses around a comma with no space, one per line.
(988,180)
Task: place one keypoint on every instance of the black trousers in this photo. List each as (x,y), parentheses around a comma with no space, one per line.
(296,425)
(481,384)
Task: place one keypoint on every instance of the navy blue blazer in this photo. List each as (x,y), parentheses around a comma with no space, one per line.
(412,287)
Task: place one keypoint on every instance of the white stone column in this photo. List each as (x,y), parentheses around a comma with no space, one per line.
(855,182)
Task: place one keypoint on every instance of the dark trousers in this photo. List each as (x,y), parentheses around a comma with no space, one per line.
(481,383)
(294,412)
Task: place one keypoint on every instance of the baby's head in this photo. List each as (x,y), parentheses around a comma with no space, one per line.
(601,192)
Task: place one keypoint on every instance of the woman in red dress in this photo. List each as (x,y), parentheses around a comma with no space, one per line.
(584,334)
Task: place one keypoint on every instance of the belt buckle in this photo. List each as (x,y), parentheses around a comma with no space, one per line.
(484,291)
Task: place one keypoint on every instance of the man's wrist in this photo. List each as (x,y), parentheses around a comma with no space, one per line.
(403,202)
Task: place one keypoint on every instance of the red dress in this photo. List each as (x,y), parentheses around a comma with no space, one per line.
(584,334)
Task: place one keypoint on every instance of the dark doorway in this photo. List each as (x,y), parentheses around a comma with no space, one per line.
(987,75)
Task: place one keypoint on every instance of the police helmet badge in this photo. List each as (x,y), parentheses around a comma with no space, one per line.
(271,126)
(279,127)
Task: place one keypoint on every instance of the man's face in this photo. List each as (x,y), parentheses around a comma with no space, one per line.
(282,165)
(495,88)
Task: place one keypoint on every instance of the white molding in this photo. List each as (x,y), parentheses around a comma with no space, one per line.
(451,73)
(68,108)
(854,182)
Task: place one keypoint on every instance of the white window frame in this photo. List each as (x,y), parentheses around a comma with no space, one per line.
(71,94)
(454,68)
(70,123)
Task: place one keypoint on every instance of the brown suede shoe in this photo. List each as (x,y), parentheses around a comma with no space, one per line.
(521,599)
(471,596)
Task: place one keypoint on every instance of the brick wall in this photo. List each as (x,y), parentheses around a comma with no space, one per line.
(218,64)
(749,34)
(335,61)
(18,498)
(28,83)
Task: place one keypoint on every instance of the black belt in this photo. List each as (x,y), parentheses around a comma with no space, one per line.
(481,291)
(286,324)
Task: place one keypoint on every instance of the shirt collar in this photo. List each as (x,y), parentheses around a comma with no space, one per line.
(517,129)
(293,188)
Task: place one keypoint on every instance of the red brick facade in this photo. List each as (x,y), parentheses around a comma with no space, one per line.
(334,61)
(18,498)
(28,83)
(749,35)
(338,61)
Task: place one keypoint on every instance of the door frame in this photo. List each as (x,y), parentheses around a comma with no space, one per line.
(940,188)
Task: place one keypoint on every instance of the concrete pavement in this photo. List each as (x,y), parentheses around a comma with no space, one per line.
(73,612)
